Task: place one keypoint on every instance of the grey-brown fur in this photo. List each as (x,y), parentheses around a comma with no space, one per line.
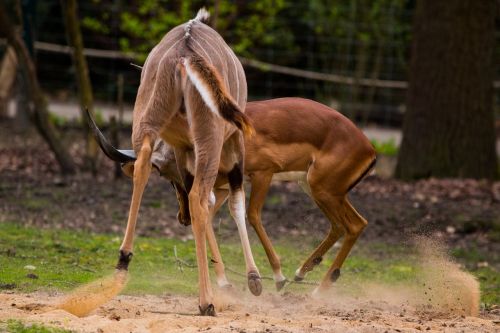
(201,139)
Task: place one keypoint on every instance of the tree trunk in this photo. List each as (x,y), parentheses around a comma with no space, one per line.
(39,109)
(82,74)
(8,68)
(448,130)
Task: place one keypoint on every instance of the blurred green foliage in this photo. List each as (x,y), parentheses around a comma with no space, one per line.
(251,25)
(388,147)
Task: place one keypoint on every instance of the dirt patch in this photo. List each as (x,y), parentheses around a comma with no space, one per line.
(240,312)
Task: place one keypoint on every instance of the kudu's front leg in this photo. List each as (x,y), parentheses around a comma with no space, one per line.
(142,170)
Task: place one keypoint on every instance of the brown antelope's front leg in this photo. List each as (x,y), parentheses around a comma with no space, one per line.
(260,186)
(142,170)
(237,209)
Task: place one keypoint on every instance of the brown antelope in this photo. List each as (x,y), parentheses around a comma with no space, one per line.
(329,152)
(191,95)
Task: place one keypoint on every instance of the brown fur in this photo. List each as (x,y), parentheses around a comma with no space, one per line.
(228,108)
(295,134)
(158,113)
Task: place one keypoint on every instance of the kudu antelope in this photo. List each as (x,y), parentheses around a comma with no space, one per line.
(192,95)
(328,153)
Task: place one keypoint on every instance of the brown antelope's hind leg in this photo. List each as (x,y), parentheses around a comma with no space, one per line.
(333,236)
(317,256)
(142,170)
(237,209)
(260,186)
(353,223)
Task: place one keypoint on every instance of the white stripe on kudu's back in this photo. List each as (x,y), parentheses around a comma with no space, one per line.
(201,86)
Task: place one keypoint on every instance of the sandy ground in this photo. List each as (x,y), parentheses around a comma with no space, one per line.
(442,298)
(243,313)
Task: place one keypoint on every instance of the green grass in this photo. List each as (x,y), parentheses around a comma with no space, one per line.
(65,259)
(16,326)
(388,147)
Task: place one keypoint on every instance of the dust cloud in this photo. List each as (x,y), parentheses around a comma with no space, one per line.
(90,296)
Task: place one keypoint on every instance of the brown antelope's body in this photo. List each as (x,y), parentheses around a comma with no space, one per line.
(191,94)
(328,155)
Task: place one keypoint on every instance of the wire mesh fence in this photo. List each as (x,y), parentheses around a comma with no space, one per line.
(351,55)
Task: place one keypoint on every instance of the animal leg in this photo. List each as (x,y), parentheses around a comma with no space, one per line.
(222,281)
(353,223)
(260,186)
(142,170)
(237,209)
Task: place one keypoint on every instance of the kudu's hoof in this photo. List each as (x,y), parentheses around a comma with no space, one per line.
(208,311)
(280,284)
(124,260)
(255,283)
(297,278)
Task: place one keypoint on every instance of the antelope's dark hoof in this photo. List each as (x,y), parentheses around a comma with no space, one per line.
(208,311)
(254,283)
(335,275)
(298,278)
(124,260)
(280,284)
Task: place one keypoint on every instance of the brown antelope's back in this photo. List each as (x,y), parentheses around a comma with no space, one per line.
(292,133)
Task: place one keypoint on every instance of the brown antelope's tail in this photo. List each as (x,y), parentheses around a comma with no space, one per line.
(207,81)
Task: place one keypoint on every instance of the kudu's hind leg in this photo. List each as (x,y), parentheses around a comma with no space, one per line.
(142,170)
(260,186)
(237,209)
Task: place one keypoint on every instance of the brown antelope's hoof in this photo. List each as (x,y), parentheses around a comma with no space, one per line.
(254,283)
(280,284)
(124,260)
(335,275)
(208,311)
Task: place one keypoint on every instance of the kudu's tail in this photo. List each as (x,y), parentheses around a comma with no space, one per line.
(213,92)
